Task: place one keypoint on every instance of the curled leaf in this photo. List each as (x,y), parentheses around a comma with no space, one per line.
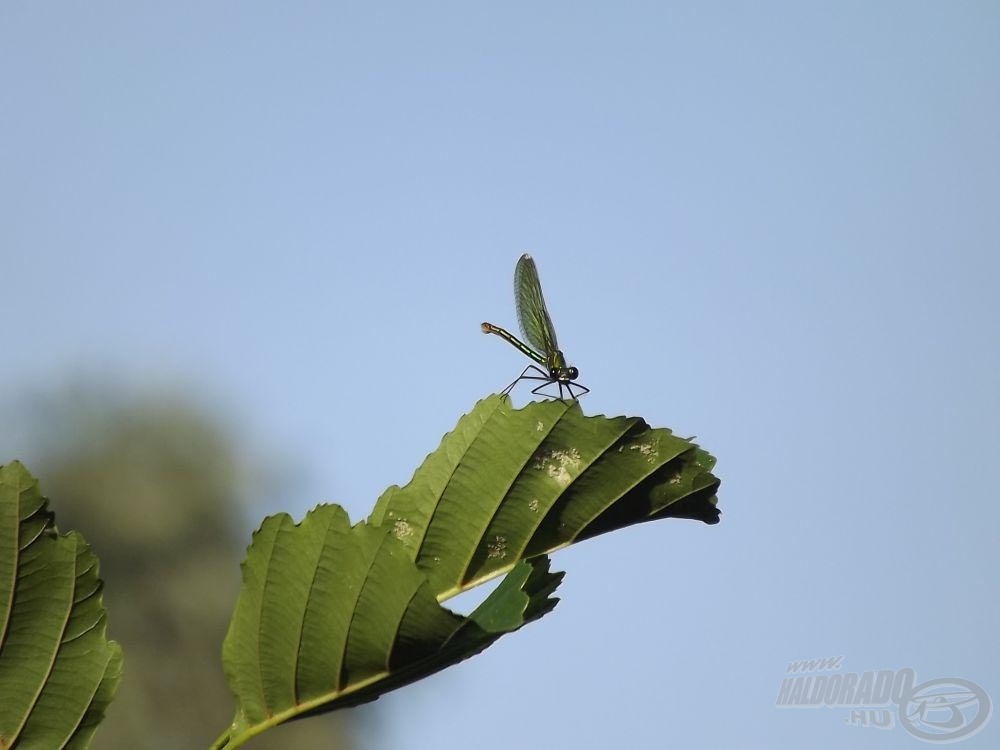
(331,615)
(508,484)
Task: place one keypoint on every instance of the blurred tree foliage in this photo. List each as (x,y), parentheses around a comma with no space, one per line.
(158,486)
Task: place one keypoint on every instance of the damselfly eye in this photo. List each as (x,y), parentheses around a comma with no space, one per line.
(573,373)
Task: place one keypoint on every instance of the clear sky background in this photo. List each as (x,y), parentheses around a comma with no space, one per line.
(772,225)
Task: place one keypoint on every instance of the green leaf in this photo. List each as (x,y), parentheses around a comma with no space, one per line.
(58,671)
(509,484)
(332,615)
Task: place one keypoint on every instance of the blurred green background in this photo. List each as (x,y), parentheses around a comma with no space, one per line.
(161,485)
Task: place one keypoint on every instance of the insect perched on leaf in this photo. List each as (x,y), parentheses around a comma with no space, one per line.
(536,325)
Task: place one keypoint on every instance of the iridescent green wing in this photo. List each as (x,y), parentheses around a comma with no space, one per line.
(536,325)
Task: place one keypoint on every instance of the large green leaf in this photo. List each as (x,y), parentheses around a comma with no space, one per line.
(332,615)
(507,484)
(58,671)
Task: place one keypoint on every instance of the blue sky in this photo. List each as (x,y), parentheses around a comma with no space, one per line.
(772,225)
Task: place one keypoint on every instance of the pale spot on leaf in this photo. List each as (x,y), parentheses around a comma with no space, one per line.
(497,549)
(559,464)
(645,449)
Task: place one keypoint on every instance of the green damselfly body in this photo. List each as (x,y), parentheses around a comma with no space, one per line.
(536,325)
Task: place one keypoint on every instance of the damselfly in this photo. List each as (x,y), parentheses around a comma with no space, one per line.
(536,325)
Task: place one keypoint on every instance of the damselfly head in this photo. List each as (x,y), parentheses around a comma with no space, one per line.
(565,374)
